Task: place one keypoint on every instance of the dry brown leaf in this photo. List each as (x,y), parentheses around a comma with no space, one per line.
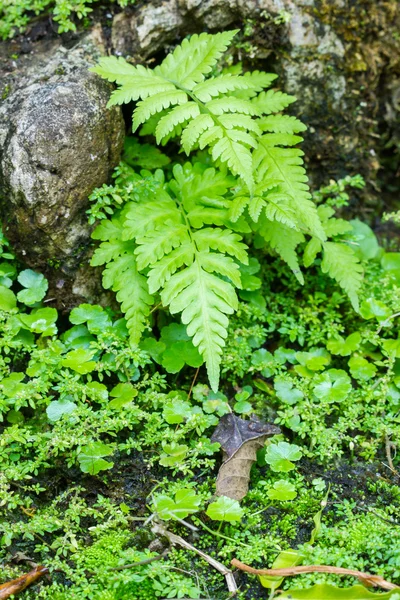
(15,586)
(239,441)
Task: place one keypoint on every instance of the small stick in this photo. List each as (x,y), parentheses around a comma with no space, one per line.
(389,445)
(366,578)
(177,539)
(193,382)
(11,588)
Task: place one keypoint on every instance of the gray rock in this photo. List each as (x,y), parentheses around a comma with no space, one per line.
(57,143)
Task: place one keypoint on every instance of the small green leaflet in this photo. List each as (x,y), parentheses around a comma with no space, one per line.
(282,490)
(225,509)
(80,361)
(177,411)
(91,459)
(58,408)
(286,392)
(361,369)
(185,503)
(36,287)
(332,386)
(173,454)
(41,320)
(280,456)
(8,300)
(122,394)
(95,316)
(344,347)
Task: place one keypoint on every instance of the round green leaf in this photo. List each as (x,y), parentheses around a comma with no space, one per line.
(225,509)
(333,386)
(8,300)
(282,490)
(58,408)
(280,455)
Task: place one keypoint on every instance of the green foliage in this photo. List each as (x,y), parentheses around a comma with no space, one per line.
(15,15)
(176,237)
(280,456)
(225,509)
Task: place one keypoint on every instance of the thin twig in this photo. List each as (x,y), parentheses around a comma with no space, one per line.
(388,446)
(193,382)
(177,539)
(366,578)
(147,561)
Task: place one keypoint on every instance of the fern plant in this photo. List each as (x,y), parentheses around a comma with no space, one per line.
(181,239)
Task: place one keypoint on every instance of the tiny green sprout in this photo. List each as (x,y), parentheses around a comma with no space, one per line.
(282,490)
(241,405)
(173,454)
(319,484)
(280,456)
(225,509)
(122,394)
(80,361)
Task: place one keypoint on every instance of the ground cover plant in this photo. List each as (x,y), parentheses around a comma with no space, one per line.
(254,325)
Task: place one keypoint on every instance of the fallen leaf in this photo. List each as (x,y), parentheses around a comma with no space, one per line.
(21,583)
(239,439)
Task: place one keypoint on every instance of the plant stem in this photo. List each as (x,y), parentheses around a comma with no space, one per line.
(225,537)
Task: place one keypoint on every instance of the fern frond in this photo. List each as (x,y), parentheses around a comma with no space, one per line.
(222,240)
(140,87)
(155,244)
(238,120)
(209,137)
(115,69)
(194,58)
(169,264)
(256,205)
(237,157)
(154,104)
(176,116)
(281,139)
(286,164)
(230,104)
(311,250)
(215,86)
(281,124)
(342,264)
(193,131)
(139,219)
(284,241)
(272,101)
(258,80)
(131,287)
(206,215)
(237,135)
(280,211)
(204,300)
(237,207)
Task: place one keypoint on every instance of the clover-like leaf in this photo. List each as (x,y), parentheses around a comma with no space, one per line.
(36,287)
(361,369)
(41,320)
(58,408)
(176,412)
(91,458)
(282,490)
(122,394)
(344,347)
(95,316)
(280,456)
(80,361)
(225,509)
(185,503)
(333,386)
(173,454)
(372,308)
(287,392)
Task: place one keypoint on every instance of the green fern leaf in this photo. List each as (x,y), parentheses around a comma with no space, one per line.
(193,131)
(284,241)
(155,244)
(255,207)
(237,207)
(209,137)
(207,216)
(139,218)
(342,264)
(115,69)
(280,212)
(194,58)
(230,104)
(237,157)
(285,164)
(140,87)
(313,248)
(281,124)
(258,80)
(169,264)
(237,135)
(204,301)
(154,104)
(215,86)
(281,139)
(176,116)
(223,240)
(272,102)
(131,287)
(238,120)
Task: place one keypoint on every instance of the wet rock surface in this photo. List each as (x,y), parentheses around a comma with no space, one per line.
(57,143)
